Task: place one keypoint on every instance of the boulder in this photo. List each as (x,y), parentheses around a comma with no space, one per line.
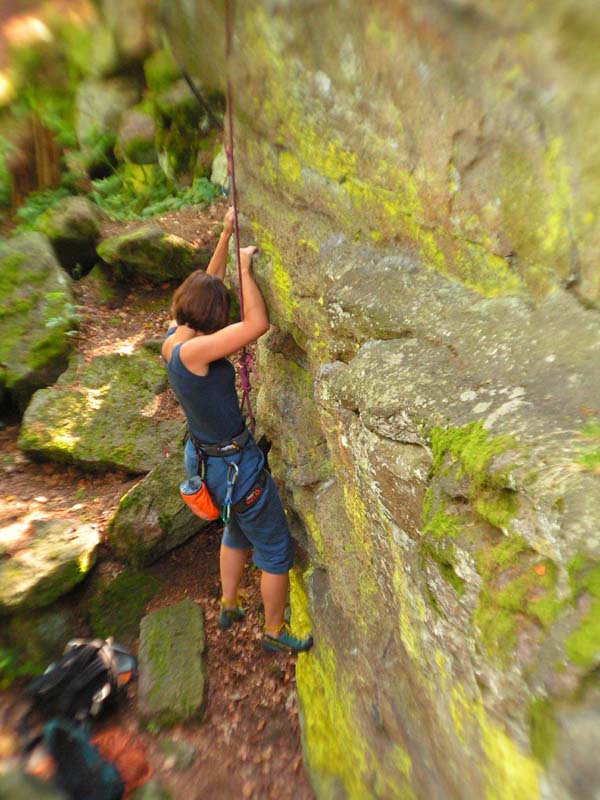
(99,105)
(172,666)
(151,518)
(58,556)
(118,605)
(100,415)
(36,316)
(149,253)
(135,139)
(73,227)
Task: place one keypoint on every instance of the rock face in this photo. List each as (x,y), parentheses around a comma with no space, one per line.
(151,518)
(172,684)
(58,556)
(151,253)
(422,183)
(73,227)
(100,415)
(36,314)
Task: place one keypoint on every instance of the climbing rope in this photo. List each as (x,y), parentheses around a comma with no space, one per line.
(246,359)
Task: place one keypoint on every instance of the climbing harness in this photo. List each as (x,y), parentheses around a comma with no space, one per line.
(246,360)
(195,493)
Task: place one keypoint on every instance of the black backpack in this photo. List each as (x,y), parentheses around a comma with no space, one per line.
(84,680)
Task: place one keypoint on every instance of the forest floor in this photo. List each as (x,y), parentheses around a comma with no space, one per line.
(248,745)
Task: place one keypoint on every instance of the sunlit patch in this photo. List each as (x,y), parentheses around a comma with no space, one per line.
(126,346)
(6,89)
(13,537)
(150,409)
(27,30)
(95,397)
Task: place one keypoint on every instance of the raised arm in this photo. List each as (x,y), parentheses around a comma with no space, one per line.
(198,353)
(218,263)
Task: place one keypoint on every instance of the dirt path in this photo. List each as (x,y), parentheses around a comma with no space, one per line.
(249,743)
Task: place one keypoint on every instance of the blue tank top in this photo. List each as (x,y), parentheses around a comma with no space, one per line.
(209,402)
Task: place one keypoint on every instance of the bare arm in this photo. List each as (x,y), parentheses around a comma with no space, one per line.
(218,263)
(198,353)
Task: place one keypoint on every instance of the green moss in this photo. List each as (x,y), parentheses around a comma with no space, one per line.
(13,667)
(177,123)
(375,197)
(161,71)
(437,522)
(496,507)
(516,584)
(120,604)
(589,457)
(281,278)
(339,758)
(444,554)
(542,730)
(140,150)
(473,449)
(583,645)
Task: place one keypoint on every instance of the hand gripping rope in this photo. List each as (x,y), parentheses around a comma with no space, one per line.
(246,359)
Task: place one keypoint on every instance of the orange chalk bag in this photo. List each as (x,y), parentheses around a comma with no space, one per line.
(194,493)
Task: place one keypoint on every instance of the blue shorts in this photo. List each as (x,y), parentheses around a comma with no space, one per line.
(263,526)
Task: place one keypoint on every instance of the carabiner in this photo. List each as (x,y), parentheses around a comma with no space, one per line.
(232,475)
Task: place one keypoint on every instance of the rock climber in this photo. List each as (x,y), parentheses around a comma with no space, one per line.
(195,350)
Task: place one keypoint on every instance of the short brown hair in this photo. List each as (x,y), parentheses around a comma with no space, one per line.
(202,302)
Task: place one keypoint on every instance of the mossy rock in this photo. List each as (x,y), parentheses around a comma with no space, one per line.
(152,790)
(152,519)
(16,785)
(58,557)
(99,415)
(180,122)
(119,604)
(161,71)
(99,105)
(73,227)
(135,140)
(36,317)
(150,253)
(172,667)
(32,640)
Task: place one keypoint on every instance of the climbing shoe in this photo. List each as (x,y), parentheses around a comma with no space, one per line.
(286,642)
(228,616)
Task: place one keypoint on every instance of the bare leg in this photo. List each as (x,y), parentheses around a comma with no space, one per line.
(231,563)
(274,589)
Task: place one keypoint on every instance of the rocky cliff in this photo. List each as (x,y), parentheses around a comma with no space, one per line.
(422,179)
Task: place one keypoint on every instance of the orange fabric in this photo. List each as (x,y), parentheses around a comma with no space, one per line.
(201,503)
(128,755)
